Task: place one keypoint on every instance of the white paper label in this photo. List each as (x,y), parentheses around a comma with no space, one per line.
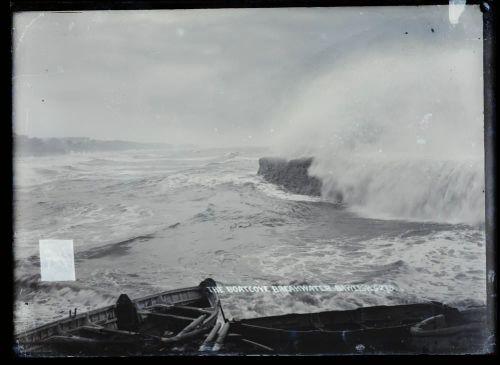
(57,261)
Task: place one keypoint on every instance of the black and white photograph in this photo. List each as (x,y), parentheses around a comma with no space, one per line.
(250,181)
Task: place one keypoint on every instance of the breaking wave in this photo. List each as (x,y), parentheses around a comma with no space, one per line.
(397,132)
(439,191)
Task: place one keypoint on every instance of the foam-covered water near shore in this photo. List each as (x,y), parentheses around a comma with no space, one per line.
(144,223)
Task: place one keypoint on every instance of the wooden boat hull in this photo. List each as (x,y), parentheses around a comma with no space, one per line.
(99,331)
(191,320)
(452,334)
(379,329)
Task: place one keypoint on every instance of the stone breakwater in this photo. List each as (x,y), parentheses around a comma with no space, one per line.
(292,175)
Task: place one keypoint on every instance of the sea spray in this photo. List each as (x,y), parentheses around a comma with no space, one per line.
(425,190)
(397,132)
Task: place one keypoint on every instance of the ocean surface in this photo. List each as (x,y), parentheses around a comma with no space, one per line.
(145,221)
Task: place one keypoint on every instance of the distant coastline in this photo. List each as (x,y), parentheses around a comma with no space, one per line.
(33,146)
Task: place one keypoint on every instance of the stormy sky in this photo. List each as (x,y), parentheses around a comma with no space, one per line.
(208,77)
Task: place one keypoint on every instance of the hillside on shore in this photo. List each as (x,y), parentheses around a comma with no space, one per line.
(32,146)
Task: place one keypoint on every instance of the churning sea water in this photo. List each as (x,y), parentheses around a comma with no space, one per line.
(146,221)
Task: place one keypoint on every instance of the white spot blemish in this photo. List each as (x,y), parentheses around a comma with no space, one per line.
(180,32)
(456,9)
(426,120)
(360,347)
(491,276)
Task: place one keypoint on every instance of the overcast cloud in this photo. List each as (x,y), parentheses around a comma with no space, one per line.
(213,77)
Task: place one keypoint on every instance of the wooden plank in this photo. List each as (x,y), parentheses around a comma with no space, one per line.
(120,332)
(173,296)
(192,325)
(103,322)
(220,339)
(165,315)
(194,309)
(256,344)
(185,336)
(210,337)
(70,339)
(108,330)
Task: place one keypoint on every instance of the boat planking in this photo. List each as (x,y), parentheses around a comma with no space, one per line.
(151,323)
(192,321)
(400,329)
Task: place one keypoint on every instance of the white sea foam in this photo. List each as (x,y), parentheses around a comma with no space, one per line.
(248,231)
(437,191)
(399,133)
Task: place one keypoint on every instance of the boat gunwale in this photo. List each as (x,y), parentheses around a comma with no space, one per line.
(100,310)
(319,331)
(445,331)
(244,322)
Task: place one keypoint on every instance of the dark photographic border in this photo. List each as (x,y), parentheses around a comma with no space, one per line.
(489,77)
